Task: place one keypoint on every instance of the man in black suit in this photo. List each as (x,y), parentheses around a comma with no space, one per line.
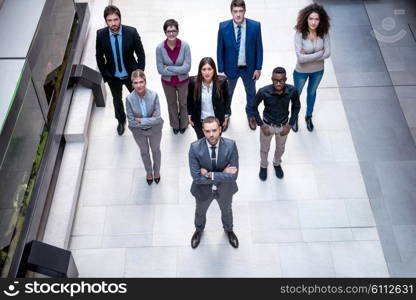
(115,48)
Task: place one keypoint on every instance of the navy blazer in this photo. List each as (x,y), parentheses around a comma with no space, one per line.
(227,53)
(131,44)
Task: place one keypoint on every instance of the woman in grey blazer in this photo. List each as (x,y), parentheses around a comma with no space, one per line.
(145,122)
(173,61)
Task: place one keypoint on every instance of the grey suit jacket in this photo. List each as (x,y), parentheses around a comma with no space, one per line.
(133,109)
(199,157)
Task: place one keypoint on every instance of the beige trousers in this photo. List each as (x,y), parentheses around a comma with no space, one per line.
(178,116)
(265,146)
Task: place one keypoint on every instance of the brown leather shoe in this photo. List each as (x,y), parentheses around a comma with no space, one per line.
(252,123)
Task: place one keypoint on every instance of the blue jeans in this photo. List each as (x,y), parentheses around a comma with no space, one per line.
(299,80)
(250,87)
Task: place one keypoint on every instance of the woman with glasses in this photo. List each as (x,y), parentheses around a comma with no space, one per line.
(173,61)
(208,96)
(312,46)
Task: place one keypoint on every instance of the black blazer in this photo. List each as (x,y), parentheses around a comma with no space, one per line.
(221,104)
(131,44)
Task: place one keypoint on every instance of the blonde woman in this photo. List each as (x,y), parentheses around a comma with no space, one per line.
(145,122)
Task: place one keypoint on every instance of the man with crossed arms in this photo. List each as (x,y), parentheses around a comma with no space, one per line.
(213,161)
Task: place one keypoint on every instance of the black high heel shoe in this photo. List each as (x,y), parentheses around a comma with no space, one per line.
(157,180)
(149,181)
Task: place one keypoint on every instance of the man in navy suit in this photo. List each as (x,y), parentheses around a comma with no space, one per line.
(115,48)
(240,54)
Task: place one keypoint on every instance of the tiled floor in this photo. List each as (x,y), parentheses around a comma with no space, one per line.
(316,222)
(377,82)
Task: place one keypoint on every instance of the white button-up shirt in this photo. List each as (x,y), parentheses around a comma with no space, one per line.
(207,108)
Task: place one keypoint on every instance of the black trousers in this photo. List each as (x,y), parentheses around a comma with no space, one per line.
(198,130)
(116,87)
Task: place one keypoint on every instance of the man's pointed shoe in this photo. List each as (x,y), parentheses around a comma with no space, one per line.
(196,239)
(252,123)
(232,238)
(120,128)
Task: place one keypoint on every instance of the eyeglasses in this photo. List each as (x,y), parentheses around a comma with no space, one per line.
(171,31)
(279,80)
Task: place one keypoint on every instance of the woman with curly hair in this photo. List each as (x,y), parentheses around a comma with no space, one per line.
(312,45)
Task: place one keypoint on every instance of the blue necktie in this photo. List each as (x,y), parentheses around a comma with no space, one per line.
(118,53)
(238,37)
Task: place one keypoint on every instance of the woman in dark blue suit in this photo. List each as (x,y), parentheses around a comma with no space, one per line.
(208,96)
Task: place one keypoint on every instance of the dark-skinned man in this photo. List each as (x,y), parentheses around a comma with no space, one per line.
(277,97)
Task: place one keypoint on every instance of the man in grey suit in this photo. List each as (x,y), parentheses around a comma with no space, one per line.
(213,161)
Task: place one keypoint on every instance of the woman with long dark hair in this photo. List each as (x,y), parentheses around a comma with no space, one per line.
(312,46)
(208,96)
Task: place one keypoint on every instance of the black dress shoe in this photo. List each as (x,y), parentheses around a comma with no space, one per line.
(120,128)
(309,123)
(149,181)
(252,123)
(157,180)
(232,238)
(196,238)
(263,174)
(279,171)
(175,131)
(295,127)
(182,131)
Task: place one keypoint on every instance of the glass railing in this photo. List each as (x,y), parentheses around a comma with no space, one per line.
(38,93)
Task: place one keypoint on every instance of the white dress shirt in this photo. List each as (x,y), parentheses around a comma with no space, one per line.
(207,108)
